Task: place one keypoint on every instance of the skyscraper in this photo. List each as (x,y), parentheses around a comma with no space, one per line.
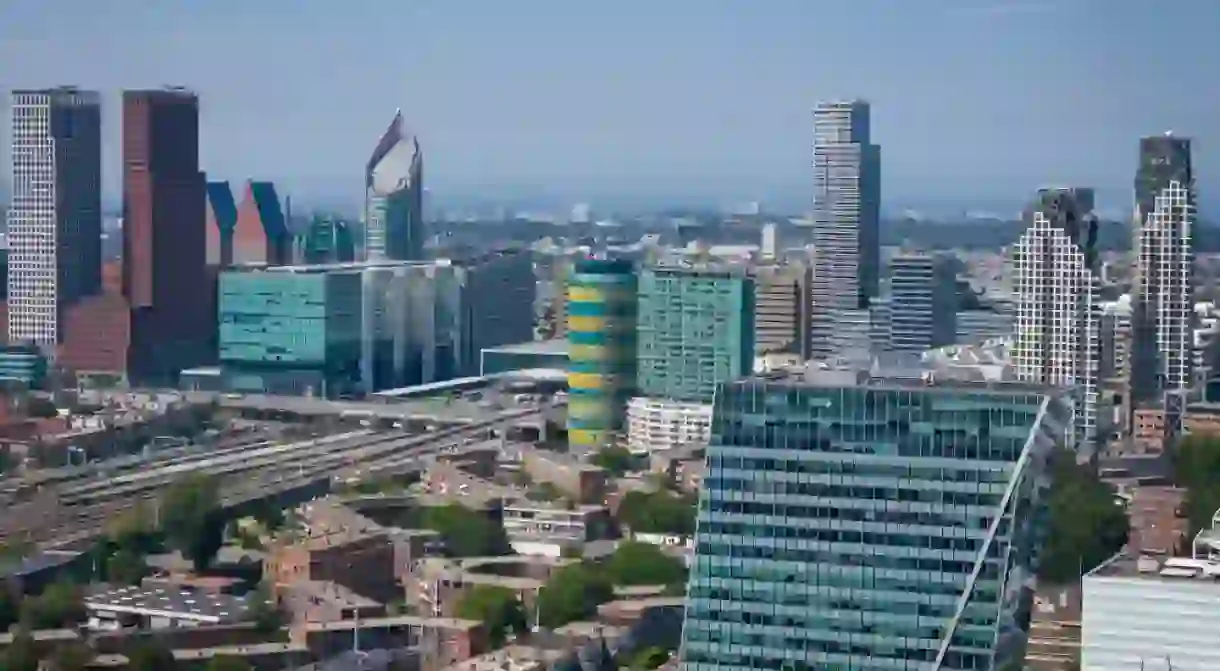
(1162,295)
(394,197)
(923,302)
(165,275)
(261,234)
(1058,302)
(846,210)
(850,520)
(221,220)
(696,330)
(55,217)
(601,307)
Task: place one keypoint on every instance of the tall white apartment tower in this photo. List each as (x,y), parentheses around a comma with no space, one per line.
(846,210)
(1058,302)
(1162,295)
(55,217)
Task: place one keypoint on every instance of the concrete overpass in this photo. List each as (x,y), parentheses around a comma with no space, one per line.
(416,414)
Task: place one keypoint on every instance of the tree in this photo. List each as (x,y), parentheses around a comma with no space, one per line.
(59,606)
(264,609)
(465,532)
(1088,524)
(40,407)
(659,512)
(151,655)
(498,608)
(70,656)
(21,654)
(126,566)
(635,563)
(616,460)
(10,608)
(227,663)
(192,519)
(1197,468)
(573,593)
(649,658)
(134,530)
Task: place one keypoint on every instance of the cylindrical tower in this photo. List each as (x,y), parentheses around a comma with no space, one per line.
(601,334)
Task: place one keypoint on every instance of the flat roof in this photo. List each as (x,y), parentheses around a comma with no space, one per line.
(556,346)
(1160,569)
(178,604)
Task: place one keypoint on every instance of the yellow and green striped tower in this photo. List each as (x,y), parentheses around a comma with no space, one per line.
(601,334)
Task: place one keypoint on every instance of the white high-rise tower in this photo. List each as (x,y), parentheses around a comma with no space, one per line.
(55,217)
(1058,304)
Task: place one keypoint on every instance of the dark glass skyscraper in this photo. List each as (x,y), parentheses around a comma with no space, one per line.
(857,521)
(165,277)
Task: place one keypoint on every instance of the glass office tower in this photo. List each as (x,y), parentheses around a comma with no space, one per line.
(696,330)
(854,521)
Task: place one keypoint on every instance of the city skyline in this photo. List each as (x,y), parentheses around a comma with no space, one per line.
(483,89)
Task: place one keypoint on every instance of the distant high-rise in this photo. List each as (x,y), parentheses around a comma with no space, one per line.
(1162,295)
(846,212)
(1057,290)
(165,275)
(55,217)
(923,302)
(327,240)
(221,220)
(261,234)
(394,197)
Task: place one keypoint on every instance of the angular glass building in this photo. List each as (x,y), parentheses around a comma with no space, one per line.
(856,521)
(696,330)
(394,197)
(601,355)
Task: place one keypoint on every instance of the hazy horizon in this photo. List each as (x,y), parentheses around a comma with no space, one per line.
(977,102)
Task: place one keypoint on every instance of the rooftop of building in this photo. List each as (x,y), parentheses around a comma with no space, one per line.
(557,346)
(511,658)
(902,377)
(1158,568)
(185,604)
(325,591)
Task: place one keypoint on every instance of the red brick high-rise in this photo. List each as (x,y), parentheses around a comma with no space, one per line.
(165,277)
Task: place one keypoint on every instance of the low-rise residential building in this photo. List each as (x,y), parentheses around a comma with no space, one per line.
(160,608)
(548,529)
(361,562)
(323,601)
(1054,630)
(656,425)
(585,483)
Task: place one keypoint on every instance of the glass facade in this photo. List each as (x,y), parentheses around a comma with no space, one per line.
(849,522)
(601,354)
(696,329)
(25,364)
(290,332)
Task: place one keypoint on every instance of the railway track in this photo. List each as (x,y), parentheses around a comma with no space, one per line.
(251,470)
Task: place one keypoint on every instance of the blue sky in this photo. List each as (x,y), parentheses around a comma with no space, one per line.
(977,101)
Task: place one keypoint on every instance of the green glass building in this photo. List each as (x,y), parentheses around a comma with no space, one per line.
(854,521)
(601,310)
(696,329)
(290,330)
